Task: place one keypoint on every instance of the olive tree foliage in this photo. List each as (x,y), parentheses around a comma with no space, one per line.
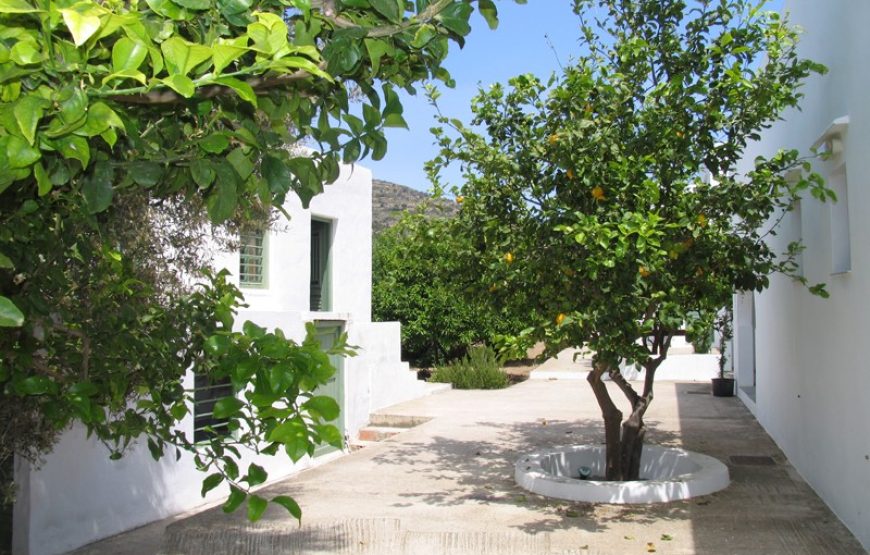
(586,196)
(421,277)
(127,129)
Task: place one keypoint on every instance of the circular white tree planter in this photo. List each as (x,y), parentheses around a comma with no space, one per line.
(667,474)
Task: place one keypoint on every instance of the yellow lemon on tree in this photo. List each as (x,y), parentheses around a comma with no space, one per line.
(598,193)
(570,173)
(509,257)
(643,271)
(459,199)
(702,220)
(559,319)
(553,139)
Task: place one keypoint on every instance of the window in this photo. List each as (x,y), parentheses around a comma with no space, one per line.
(252,259)
(205,395)
(841,244)
(321,242)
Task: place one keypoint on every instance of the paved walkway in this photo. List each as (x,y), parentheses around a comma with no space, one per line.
(446,487)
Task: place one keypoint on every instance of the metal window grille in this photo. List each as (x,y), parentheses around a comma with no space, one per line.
(252,258)
(205,395)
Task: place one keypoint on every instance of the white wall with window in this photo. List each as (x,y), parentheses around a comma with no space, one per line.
(54,514)
(810,356)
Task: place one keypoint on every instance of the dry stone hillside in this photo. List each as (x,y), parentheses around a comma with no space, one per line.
(390,200)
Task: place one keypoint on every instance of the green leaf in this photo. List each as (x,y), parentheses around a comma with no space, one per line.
(43,182)
(75,147)
(215,143)
(245,91)
(146,174)
(289,504)
(128,54)
(489,12)
(224,52)
(169,9)
(34,385)
(256,475)
(28,111)
(25,52)
(276,174)
(6,262)
(181,84)
(210,482)
(237,497)
(126,74)
(256,506)
(322,406)
(194,4)
(202,172)
(227,407)
(241,163)
(82,25)
(16,6)
(455,18)
(97,188)
(10,316)
(330,434)
(423,35)
(19,154)
(182,56)
(221,203)
(100,117)
(389,9)
(377,48)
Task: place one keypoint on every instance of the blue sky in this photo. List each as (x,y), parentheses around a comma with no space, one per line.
(529,39)
(519,45)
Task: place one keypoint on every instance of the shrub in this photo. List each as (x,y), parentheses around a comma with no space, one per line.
(422,278)
(479,369)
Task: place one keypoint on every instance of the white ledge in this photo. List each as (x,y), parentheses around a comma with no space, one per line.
(667,474)
(832,137)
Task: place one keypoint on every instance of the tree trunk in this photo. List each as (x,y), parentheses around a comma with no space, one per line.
(633,432)
(612,419)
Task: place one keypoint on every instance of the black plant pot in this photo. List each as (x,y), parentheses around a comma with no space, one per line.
(723,387)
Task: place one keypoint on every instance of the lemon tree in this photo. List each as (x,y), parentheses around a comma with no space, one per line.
(127,130)
(605,201)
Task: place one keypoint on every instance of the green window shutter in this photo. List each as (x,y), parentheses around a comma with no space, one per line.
(252,259)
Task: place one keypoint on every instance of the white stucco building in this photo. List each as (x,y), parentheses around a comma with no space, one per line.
(316,267)
(800,360)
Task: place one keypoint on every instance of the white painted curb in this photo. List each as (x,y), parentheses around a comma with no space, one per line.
(668,474)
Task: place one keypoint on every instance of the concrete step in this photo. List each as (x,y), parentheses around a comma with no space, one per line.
(397,420)
(378,433)
(356,445)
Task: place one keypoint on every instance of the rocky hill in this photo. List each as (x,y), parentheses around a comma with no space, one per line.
(390,200)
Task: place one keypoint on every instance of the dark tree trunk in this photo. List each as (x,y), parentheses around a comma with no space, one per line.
(612,419)
(625,442)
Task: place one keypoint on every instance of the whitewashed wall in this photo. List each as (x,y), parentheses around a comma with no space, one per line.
(812,376)
(79,496)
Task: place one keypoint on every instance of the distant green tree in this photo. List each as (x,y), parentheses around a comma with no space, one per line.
(421,277)
(585,197)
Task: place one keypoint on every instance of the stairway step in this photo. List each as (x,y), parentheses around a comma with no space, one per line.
(378,433)
(397,420)
(358,444)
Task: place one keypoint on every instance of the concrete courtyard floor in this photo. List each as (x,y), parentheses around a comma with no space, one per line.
(447,487)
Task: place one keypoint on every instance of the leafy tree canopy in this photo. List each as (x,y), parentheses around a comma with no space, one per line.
(121,123)
(606,200)
(420,277)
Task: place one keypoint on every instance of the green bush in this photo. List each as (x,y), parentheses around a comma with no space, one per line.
(479,369)
(423,277)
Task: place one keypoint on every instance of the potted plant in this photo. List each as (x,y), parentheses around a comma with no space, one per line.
(724,386)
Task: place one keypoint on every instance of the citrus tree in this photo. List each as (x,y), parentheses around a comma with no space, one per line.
(420,278)
(606,200)
(129,131)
